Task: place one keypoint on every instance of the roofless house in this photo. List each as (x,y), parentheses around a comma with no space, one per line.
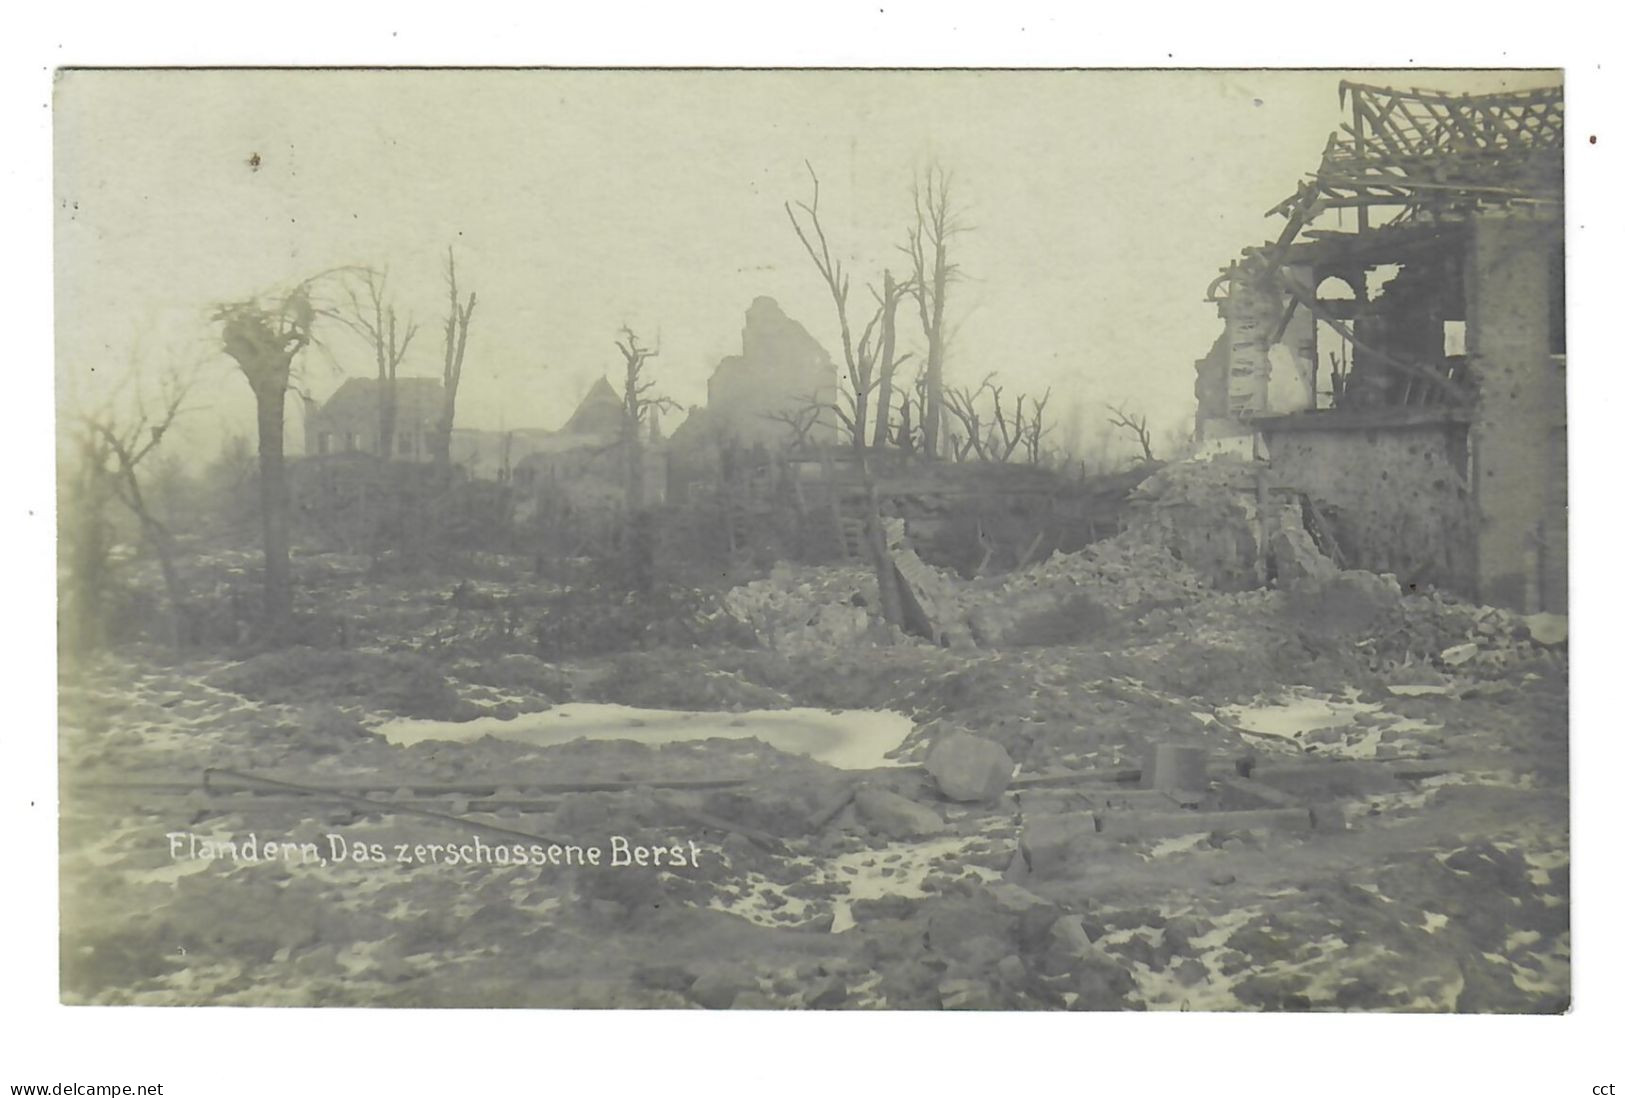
(1398,350)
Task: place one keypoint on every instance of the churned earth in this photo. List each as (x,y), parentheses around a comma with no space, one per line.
(1429,738)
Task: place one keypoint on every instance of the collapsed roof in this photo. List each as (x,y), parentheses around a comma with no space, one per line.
(1432,157)
(1415,166)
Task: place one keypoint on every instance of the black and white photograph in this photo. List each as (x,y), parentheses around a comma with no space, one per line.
(813,539)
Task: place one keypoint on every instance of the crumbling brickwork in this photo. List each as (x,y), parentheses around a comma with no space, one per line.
(1518,430)
(1396,497)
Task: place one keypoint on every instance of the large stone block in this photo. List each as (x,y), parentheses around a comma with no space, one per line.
(894,816)
(969,768)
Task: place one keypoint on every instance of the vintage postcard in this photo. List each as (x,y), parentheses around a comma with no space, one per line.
(813,539)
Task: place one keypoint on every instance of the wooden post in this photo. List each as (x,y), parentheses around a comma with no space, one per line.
(1178,769)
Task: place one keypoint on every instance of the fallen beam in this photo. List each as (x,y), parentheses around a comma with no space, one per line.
(1161,825)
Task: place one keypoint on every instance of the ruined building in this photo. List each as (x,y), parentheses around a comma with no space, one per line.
(1401,362)
(780,370)
(762,401)
(584,462)
(348,422)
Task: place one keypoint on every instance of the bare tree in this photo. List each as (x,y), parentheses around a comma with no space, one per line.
(997,433)
(935,226)
(1136,425)
(909,435)
(86,537)
(1036,429)
(372,316)
(114,451)
(889,299)
(264,337)
(861,358)
(459,313)
(639,401)
(963,404)
(1012,426)
(802,418)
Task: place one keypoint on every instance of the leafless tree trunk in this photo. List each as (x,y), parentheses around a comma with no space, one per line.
(1005,431)
(1036,430)
(935,225)
(860,370)
(117,452)
(458,315)
(858,359)
(638,401)
(375,321)
(1136,425)
(87,543)
(802,421)
(264,340)
(962,403)
(911,411)
(889,361)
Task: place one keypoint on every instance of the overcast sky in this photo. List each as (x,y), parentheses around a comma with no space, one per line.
(1101,205)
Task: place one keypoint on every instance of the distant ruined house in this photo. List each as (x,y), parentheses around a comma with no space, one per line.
(348,422)
(780,370)
(781,373)
(583,463)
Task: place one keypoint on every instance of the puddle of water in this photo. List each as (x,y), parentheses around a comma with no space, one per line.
(1421,689)
(1291,719)
(854,739)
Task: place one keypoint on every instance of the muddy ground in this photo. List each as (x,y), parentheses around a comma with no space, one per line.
(1433,875)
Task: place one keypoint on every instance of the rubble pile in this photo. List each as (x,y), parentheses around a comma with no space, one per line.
(1462,638)
(1192,540)
(1208,515)
(933,601)
(801,608)
(1071,596)
(1121,573)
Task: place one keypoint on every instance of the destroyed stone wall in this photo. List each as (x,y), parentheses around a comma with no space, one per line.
(1520,426)
(780,368)
(1396,498)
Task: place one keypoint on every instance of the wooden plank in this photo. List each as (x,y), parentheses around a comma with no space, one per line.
(1266,796)
(1162,825)
(1077,777)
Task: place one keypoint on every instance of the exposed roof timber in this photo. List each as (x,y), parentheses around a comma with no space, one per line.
(1425,150)
(1396,242)
(1431,154)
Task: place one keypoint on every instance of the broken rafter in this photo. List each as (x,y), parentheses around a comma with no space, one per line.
(1422,150)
